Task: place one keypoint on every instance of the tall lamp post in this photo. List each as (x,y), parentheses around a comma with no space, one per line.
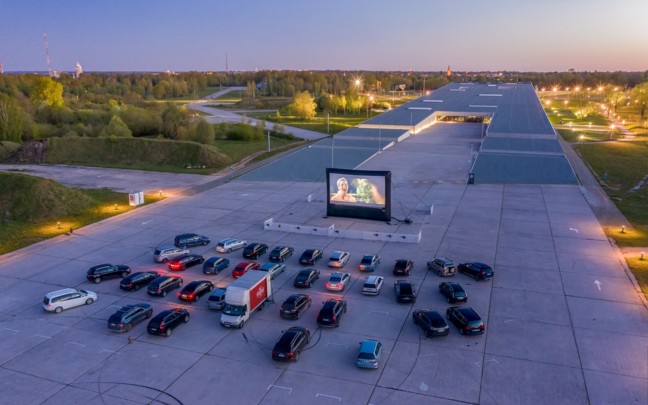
(370,100)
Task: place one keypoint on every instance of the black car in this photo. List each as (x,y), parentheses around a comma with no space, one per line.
(195,289)
(476,270)
(404,291)
(402,267)
(294,306)
(163,284)
(310,256)
(281,253)
(125,318)
(331,312)
(186,240)
(105,271)
(166,321)
(214,265)
(453,292)
(306,277)
(254,250)
(183,262)
(138,280)
(466,320)
(290,344)
(431,322)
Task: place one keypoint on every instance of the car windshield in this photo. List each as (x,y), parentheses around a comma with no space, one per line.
(460,293)
(335,279)
(233,310)
(366,260)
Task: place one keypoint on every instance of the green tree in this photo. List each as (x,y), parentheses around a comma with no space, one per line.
(303,105)
(46,91)
(639,98)
(204,132)
(11,122)
(117,128)
(173,118)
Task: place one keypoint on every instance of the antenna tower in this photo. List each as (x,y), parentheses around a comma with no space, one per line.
(50,71)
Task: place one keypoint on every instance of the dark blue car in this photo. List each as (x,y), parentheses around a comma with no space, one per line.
(215,265)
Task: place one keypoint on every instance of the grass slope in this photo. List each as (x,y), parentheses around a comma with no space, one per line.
(134,152)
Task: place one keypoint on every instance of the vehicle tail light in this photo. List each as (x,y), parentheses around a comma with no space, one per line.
(290,355)
(161,326)
(178,294)
(328,284)
(191,296)
(159,291)
(293,311)
(121,325)
(334,318)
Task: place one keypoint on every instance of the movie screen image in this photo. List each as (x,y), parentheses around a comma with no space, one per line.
(359,193)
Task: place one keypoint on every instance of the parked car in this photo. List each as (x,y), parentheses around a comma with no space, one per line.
(163,284)
(369,263)
(369,354)
(476,270)
(338,259)
(105,271)
(186,240)
(290,344)
(466,320)
(254,250)
(442,266)
(281,253)
(166,321)
(431,322)
(310,256)
(214,265)
(305,278)
(138,280)
(337,281)
(195,289)
(67,298)
(128,316)
(405,292)
(372,285)
(453,292)
(216,299)
(244,267)
(229,244)
(331,312)
(294,306)
(402,267)
(274,269)
(183,262)
(163,254)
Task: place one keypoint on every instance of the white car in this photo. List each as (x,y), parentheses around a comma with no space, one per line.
(372,285)
(229,244)
(338,281)
(338,259)
(67,298)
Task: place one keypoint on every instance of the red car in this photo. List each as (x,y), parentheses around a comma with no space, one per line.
(243,268)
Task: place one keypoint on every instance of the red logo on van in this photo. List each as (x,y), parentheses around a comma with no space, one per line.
(260,292)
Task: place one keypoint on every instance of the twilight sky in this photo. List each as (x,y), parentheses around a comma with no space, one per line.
(422,35)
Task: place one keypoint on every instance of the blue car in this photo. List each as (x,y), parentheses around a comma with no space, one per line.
(369,263)
(215,265)
(273,269)
(369,354)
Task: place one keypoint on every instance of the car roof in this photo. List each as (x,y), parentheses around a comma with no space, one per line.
(368,345)
(306,271)
(372,279)
(61,292)
(337,254)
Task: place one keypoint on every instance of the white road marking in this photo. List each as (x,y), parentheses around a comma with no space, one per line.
(75,343)
(279,386)
(146,222)
(573,229)
(510,320)
(338,344)
(107,351)
(492,360)
(42,336)
(328,396)
(11,330)
(424,387)
(598,284)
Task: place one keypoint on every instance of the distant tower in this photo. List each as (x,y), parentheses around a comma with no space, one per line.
(50,71)
(226,63)
(78,70)
(448,72)
(1,68)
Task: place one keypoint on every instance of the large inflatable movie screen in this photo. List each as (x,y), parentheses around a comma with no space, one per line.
(359,194)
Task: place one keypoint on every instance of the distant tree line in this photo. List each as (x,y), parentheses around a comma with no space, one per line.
(128,104)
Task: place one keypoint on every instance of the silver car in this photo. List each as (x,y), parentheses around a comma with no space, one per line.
(338,259)
(372,285)
(229,244)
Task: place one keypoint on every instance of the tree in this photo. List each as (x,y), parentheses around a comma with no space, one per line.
(117,128)
(173,118)
(204,132)
(11,123)
(46,91)
(639,98)
(303,105)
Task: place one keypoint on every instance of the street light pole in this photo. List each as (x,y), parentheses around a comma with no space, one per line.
(332,147)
